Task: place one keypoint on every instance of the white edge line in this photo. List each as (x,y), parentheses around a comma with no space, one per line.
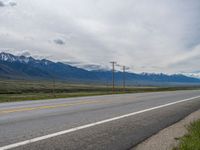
(90,125)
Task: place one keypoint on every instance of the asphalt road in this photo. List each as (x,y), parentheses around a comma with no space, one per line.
(114,122)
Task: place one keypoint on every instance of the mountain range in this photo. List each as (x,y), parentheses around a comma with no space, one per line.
(193,74)
(29,68)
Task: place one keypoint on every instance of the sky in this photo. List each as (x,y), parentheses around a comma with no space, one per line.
(145,35)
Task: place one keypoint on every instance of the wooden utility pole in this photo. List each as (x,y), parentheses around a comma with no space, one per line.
(124,78)
(113,75)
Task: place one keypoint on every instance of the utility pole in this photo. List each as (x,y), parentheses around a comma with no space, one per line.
(113,75)
(124,78)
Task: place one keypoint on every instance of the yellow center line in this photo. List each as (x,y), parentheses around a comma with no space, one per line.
(7,111)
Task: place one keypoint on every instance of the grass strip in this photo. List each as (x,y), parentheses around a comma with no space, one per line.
(191,141)
(22,90)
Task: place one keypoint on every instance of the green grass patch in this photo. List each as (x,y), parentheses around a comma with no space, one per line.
(191,141)
(21,90)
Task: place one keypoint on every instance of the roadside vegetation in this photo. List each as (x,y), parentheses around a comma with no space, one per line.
(191,141)
(20,90)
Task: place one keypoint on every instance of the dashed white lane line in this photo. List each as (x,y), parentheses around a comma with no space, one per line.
(90,125)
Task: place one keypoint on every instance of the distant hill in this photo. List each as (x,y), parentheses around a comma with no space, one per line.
(29,68)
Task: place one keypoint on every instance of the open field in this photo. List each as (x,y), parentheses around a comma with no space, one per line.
(11,90)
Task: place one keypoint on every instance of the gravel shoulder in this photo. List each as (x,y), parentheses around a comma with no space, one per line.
(167,138)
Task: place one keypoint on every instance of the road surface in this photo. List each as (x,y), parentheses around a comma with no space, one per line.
(113,122)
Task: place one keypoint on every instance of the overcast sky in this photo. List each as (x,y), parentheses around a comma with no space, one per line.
(146,35)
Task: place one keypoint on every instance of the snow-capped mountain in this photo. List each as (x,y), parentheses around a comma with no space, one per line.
(193,75)
(12,66)
(6,57)
(12,58)
(22,67)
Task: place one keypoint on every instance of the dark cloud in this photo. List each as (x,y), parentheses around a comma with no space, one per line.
(12,4)
(59,41)
(2,4)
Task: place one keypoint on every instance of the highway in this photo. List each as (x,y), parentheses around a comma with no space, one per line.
(111,122)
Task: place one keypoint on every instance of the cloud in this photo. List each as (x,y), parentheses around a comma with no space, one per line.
(2,4)
(59,41)
(25,53)
(88,67)
(7,3)
(12,4)
(146,35)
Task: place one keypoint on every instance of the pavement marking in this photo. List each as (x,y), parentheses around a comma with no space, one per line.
(7,111)
(90,125)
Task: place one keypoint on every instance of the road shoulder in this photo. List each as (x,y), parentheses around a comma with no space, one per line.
(167,138)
